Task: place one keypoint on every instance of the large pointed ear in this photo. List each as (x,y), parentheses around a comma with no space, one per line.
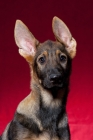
(25,41)
(63,35)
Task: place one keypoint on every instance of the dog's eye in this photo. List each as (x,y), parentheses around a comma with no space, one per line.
(63,58)
(42,60)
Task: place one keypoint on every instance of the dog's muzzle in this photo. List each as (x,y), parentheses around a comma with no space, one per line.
(55,78)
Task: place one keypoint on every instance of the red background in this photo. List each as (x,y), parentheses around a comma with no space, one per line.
(14,71)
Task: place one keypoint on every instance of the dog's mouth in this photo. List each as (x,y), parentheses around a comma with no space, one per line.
(53,84)
(50,86)
(53,80)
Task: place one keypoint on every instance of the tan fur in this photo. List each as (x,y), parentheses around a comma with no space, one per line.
(48,99)
(62,122)
(4,136)
(29,107)
(72,48)
(44,136)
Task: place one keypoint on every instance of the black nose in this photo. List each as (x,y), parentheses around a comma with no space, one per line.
(55,78)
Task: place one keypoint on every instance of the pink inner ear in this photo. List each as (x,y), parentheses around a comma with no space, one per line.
(64,36)
(28,46)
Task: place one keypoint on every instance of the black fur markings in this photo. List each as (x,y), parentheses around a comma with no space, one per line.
(27,123)
(12,128)
(50,118)
(64,132)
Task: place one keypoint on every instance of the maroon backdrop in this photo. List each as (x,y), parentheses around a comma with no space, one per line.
(14,71)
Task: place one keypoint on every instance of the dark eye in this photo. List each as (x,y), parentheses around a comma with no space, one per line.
(63,58)
(42,60)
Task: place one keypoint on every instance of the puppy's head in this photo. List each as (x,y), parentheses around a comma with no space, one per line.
(50,61)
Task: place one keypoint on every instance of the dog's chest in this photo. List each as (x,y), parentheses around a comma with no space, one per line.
(45,127)
(43,121)
(49,118)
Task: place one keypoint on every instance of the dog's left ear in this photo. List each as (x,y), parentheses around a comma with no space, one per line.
(25,41)
(63,35)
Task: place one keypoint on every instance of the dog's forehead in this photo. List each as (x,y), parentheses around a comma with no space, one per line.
(51,46)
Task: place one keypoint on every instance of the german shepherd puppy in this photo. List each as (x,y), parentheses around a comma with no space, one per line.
(42,114)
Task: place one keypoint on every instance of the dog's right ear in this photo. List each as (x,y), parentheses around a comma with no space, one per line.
(25,41)
(63,35)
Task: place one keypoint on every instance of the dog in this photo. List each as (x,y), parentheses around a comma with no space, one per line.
(42,114)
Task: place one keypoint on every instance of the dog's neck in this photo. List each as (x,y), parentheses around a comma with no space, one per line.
(53,96)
